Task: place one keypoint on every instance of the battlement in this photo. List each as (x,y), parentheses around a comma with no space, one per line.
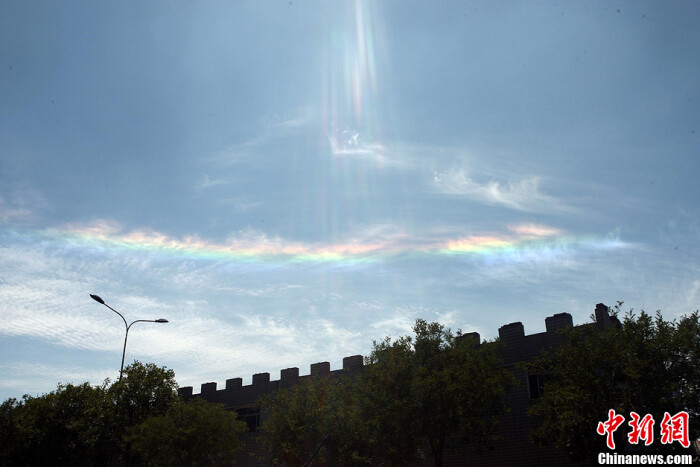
(518,347)
(235,394)
(515,331)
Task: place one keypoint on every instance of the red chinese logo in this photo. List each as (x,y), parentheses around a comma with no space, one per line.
(673,428)
(608,427)
(641,429)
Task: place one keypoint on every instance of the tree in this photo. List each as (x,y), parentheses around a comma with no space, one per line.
(386,394)
(9,436)
(317,418)
(194,433)
(644,365)
(145,390)
(295,421)
(430,390)
(84,424)
(64,427)
(414,394)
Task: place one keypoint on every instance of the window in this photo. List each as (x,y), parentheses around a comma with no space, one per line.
(536,385)
(251,416)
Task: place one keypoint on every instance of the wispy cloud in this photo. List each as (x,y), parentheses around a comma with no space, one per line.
(46,298)
(521,195)
(43,304)
(348,143)
(399,324)
(204,182)
(301,118)
(367,244)
(534,230)
(402,320)
(31,378)
(251,343)
(240,205)
(13,213)
(199,336)
(271,129)
(22,204)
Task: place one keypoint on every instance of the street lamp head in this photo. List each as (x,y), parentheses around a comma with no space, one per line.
(97,299)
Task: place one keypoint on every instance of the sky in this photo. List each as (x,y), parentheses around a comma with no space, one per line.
(288,181)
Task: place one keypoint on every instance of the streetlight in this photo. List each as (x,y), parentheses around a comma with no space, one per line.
(161,320)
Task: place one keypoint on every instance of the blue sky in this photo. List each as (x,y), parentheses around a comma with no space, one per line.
(287,181)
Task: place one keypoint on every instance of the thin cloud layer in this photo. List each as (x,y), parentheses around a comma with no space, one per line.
(522,195)
(9,213)
(373,244)
(270,130)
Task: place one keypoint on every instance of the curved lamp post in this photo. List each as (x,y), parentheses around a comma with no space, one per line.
(126,336)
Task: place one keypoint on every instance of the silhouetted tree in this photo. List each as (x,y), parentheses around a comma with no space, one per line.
(65,427)
(97,425)
(414,394)
(194,433)
(145,390)
(9,436)
(430,390)
(644,365)
(318,417)
(296,420)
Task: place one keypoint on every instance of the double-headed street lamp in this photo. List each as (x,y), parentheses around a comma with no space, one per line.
(161,320)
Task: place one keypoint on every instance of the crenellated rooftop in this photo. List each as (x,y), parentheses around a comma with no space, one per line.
(518,347)
(236,394)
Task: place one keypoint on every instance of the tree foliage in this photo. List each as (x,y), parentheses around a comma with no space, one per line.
(145,390)
(319,418)
(296,420)
(64,427)
(430,391)
(414,393)
(97,425)
(194,433)
(646,364)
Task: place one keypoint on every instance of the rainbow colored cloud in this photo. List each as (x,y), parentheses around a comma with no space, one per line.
(522,239)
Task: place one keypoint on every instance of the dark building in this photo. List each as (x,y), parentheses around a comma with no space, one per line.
(513,446)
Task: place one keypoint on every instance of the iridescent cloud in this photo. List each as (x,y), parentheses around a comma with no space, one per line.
(256,246)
